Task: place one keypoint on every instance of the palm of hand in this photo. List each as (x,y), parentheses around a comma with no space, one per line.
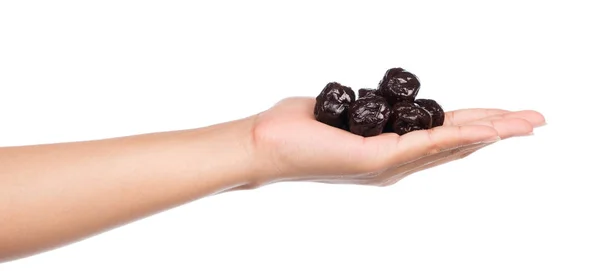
(302,148)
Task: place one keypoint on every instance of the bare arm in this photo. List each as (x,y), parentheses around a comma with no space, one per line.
(54,194)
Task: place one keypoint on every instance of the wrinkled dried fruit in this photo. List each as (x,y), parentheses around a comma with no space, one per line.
(368,115)
(436,111)
(407,117)
(399,85)
(390,108)
(332,105)
(364,91)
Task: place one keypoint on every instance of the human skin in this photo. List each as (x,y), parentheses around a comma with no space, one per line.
(55,194)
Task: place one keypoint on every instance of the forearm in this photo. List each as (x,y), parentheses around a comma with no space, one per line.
(51,195)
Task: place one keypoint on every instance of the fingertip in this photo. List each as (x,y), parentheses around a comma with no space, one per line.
(515,127)
(528,126)
(535,118)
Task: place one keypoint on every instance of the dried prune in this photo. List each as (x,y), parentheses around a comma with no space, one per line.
(332,105)
(368,115)
(436,111)
(364,91)
(399,85)
(392,107)
(407,117)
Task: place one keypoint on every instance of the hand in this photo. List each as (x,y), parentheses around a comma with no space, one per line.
(301,148)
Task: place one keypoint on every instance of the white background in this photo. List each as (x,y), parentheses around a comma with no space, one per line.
(79,70)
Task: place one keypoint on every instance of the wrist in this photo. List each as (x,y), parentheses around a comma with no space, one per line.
(233,153)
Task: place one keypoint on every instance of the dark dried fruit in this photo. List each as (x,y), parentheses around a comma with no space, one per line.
(364,91)
(332,105)
(368,115)
(390,108)
(399,85)
(407,117)
(436,111)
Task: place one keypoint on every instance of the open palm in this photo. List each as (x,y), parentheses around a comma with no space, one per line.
(302,148)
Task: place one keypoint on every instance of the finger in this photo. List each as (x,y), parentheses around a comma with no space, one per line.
(393,149)
(508,127)
(535,118)
(463,116)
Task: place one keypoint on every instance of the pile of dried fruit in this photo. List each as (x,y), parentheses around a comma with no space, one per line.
(391,108)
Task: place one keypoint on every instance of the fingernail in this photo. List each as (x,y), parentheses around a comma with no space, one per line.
(492,140)
(525,135)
